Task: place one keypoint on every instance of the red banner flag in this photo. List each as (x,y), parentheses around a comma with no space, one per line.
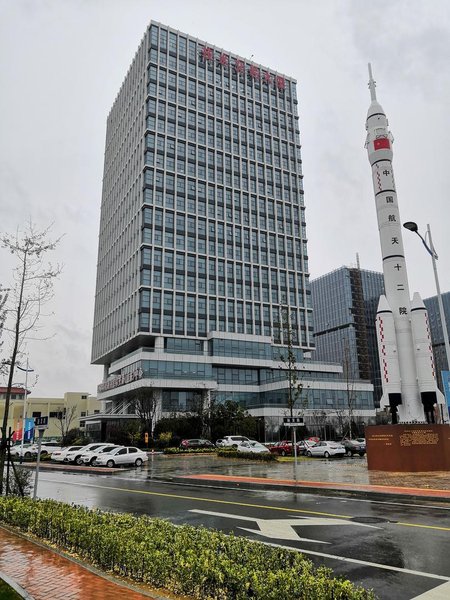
(381,143)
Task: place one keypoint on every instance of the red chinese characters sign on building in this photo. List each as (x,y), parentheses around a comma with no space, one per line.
(207,55)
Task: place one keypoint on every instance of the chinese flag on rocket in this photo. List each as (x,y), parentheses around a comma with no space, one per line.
(381,143)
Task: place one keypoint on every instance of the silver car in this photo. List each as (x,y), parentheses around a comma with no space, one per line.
(326,449)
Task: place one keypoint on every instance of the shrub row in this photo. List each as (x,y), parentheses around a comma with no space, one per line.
(265,457)
(189,560)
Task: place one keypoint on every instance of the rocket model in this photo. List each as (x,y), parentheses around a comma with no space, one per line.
(408,377)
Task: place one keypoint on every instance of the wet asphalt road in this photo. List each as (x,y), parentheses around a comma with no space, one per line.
(401,550)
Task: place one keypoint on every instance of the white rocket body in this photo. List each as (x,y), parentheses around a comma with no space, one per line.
(404,344)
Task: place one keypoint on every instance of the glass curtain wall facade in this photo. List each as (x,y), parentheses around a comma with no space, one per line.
(345,303)
(437,336)
(202,247)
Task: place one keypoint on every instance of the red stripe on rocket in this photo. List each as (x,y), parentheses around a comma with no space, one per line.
(426,376)
(387,350)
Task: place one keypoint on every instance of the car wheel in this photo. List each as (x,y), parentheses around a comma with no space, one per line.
(361,454)
(283,453)
(348,453)
(78,460)
(309,454)
(138,462)
(326,455)
(91,462)
(27,454)
(110,464)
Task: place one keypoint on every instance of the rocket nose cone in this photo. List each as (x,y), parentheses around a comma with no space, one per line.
(383,305)
(375,109)
(417,302)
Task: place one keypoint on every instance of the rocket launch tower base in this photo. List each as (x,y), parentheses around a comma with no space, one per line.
(408,448)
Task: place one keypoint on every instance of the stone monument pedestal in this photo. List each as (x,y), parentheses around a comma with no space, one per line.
(408,448)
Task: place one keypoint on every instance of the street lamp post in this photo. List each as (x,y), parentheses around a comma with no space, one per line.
(25,398)
(432,252)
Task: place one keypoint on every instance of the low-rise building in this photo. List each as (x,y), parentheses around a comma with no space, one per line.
(71,409)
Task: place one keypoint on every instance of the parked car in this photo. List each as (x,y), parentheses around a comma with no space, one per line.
(27,452)
(354,446)
(283,448)
(220,444)
(326,449)
(253,446)
(46,447)
(60,455)
(75,456)
(234,440)
(88,457)
(121,456)
(196,443)
(305,445)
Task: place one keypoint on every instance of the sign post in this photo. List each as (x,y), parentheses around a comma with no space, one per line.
(41,424)
(294,422)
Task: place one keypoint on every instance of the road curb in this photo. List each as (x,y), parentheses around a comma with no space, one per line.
(22,592)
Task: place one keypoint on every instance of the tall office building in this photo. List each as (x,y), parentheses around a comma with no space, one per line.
(345,305)
(202,249)
(437,335)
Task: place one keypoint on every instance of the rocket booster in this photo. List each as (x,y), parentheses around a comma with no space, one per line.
(406,358)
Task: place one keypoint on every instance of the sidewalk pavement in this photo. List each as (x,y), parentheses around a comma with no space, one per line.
(47,575)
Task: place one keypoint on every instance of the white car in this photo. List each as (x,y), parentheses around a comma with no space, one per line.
(253,446)
(233,441)
(75,456)
(326,449)
(60,455)
(88,457)
(28,451)
(121,456)
(46,447)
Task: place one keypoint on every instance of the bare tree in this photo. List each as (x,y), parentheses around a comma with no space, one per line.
(3,299)
(203,406)
(349,377)
(64,422)
(145,405)
(32,288)
(289,363)
(319,420)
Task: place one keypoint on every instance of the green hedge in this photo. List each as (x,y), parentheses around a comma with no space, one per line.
(203,563)
(247,455)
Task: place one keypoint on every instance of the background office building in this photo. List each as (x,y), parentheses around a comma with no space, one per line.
(345,304)
(202,249)
(437,335)
(69,411)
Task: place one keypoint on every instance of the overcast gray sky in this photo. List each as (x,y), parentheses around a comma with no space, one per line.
(61,65)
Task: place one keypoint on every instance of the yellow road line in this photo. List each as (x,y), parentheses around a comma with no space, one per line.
(211,500)
(424,526)
(246,504)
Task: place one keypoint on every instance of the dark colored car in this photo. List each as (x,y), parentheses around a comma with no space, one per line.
(196,443)
(354,446)
(285,448)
